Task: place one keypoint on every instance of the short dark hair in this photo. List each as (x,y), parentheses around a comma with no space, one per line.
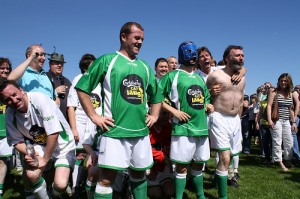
(5,60)
(126,28)
(228,49)
(161,59)
(4,83)
(221,63)
(85,62)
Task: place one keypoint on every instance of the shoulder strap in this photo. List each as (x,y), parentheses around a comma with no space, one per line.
(52,83)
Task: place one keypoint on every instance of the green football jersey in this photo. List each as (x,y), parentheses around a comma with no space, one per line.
(126,86)
(189,94)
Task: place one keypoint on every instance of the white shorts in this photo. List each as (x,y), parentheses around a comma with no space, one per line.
(225,132)
(184,149)
(123,153)
(161,178)
(5,149)
(65,161)
(80,129)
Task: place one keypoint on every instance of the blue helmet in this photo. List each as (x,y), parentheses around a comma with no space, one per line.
(187,51)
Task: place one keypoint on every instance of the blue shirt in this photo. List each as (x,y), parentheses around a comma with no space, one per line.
(34,81)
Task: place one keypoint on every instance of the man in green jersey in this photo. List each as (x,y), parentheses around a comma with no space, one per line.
(127,83)
(189,144)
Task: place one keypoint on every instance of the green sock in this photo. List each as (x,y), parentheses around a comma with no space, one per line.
(90,189)
(222,186)
(197,182)
(180,182)
(139,189)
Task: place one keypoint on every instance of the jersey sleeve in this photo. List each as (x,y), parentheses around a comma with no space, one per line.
(73,97)
(13,134)
(95,74)
(165,84)
(153,89)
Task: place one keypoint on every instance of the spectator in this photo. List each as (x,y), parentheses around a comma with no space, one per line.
(172,63)
(263,127)
(6,150)
(161,68)
(296,98)
(60,83)
(281,129)
(245,126)
(30,73)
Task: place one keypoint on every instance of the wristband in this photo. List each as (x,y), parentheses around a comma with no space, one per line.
(294,122)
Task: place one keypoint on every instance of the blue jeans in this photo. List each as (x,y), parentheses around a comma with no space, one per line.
(296,154)
(246,135)
(266,141)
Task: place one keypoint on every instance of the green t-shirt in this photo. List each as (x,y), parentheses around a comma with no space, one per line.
(189,94)
(126,86)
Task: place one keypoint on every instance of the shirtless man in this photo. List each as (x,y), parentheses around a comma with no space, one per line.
(225,121)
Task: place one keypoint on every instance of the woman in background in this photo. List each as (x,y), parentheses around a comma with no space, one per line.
(281,129)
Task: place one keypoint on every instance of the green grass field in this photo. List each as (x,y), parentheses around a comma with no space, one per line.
(257,181)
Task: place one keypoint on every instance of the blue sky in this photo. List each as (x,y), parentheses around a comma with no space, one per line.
(269,31)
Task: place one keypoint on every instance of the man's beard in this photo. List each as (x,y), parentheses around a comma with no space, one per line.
(237,65)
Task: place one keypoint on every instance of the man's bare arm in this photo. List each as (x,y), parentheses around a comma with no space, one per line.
(19,71)
(180,115)
(154,114)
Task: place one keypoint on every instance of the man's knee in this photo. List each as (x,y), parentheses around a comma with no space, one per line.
(33,175)
(107,177)
(61,178)
(224,158)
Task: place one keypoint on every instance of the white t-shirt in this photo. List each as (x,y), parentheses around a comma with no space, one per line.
(212,69)
(74,101)
(42,118)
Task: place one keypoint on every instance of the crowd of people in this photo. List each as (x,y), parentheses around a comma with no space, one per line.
(121,130)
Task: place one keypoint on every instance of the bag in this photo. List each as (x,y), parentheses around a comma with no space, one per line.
(275,111)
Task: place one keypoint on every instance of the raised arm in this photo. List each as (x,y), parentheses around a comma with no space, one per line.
(19,71)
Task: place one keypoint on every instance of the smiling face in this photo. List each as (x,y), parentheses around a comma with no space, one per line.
(132,42)
(38,62)
(161,69)
(14,98)
(56,67)
(5,70)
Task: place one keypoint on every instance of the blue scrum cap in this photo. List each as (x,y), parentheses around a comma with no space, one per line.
(187,51)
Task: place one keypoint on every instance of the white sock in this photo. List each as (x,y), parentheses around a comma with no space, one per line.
(40,192)
(103,190)
(75,174)
(236,160)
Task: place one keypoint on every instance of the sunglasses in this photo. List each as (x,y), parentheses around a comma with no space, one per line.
(40,54)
